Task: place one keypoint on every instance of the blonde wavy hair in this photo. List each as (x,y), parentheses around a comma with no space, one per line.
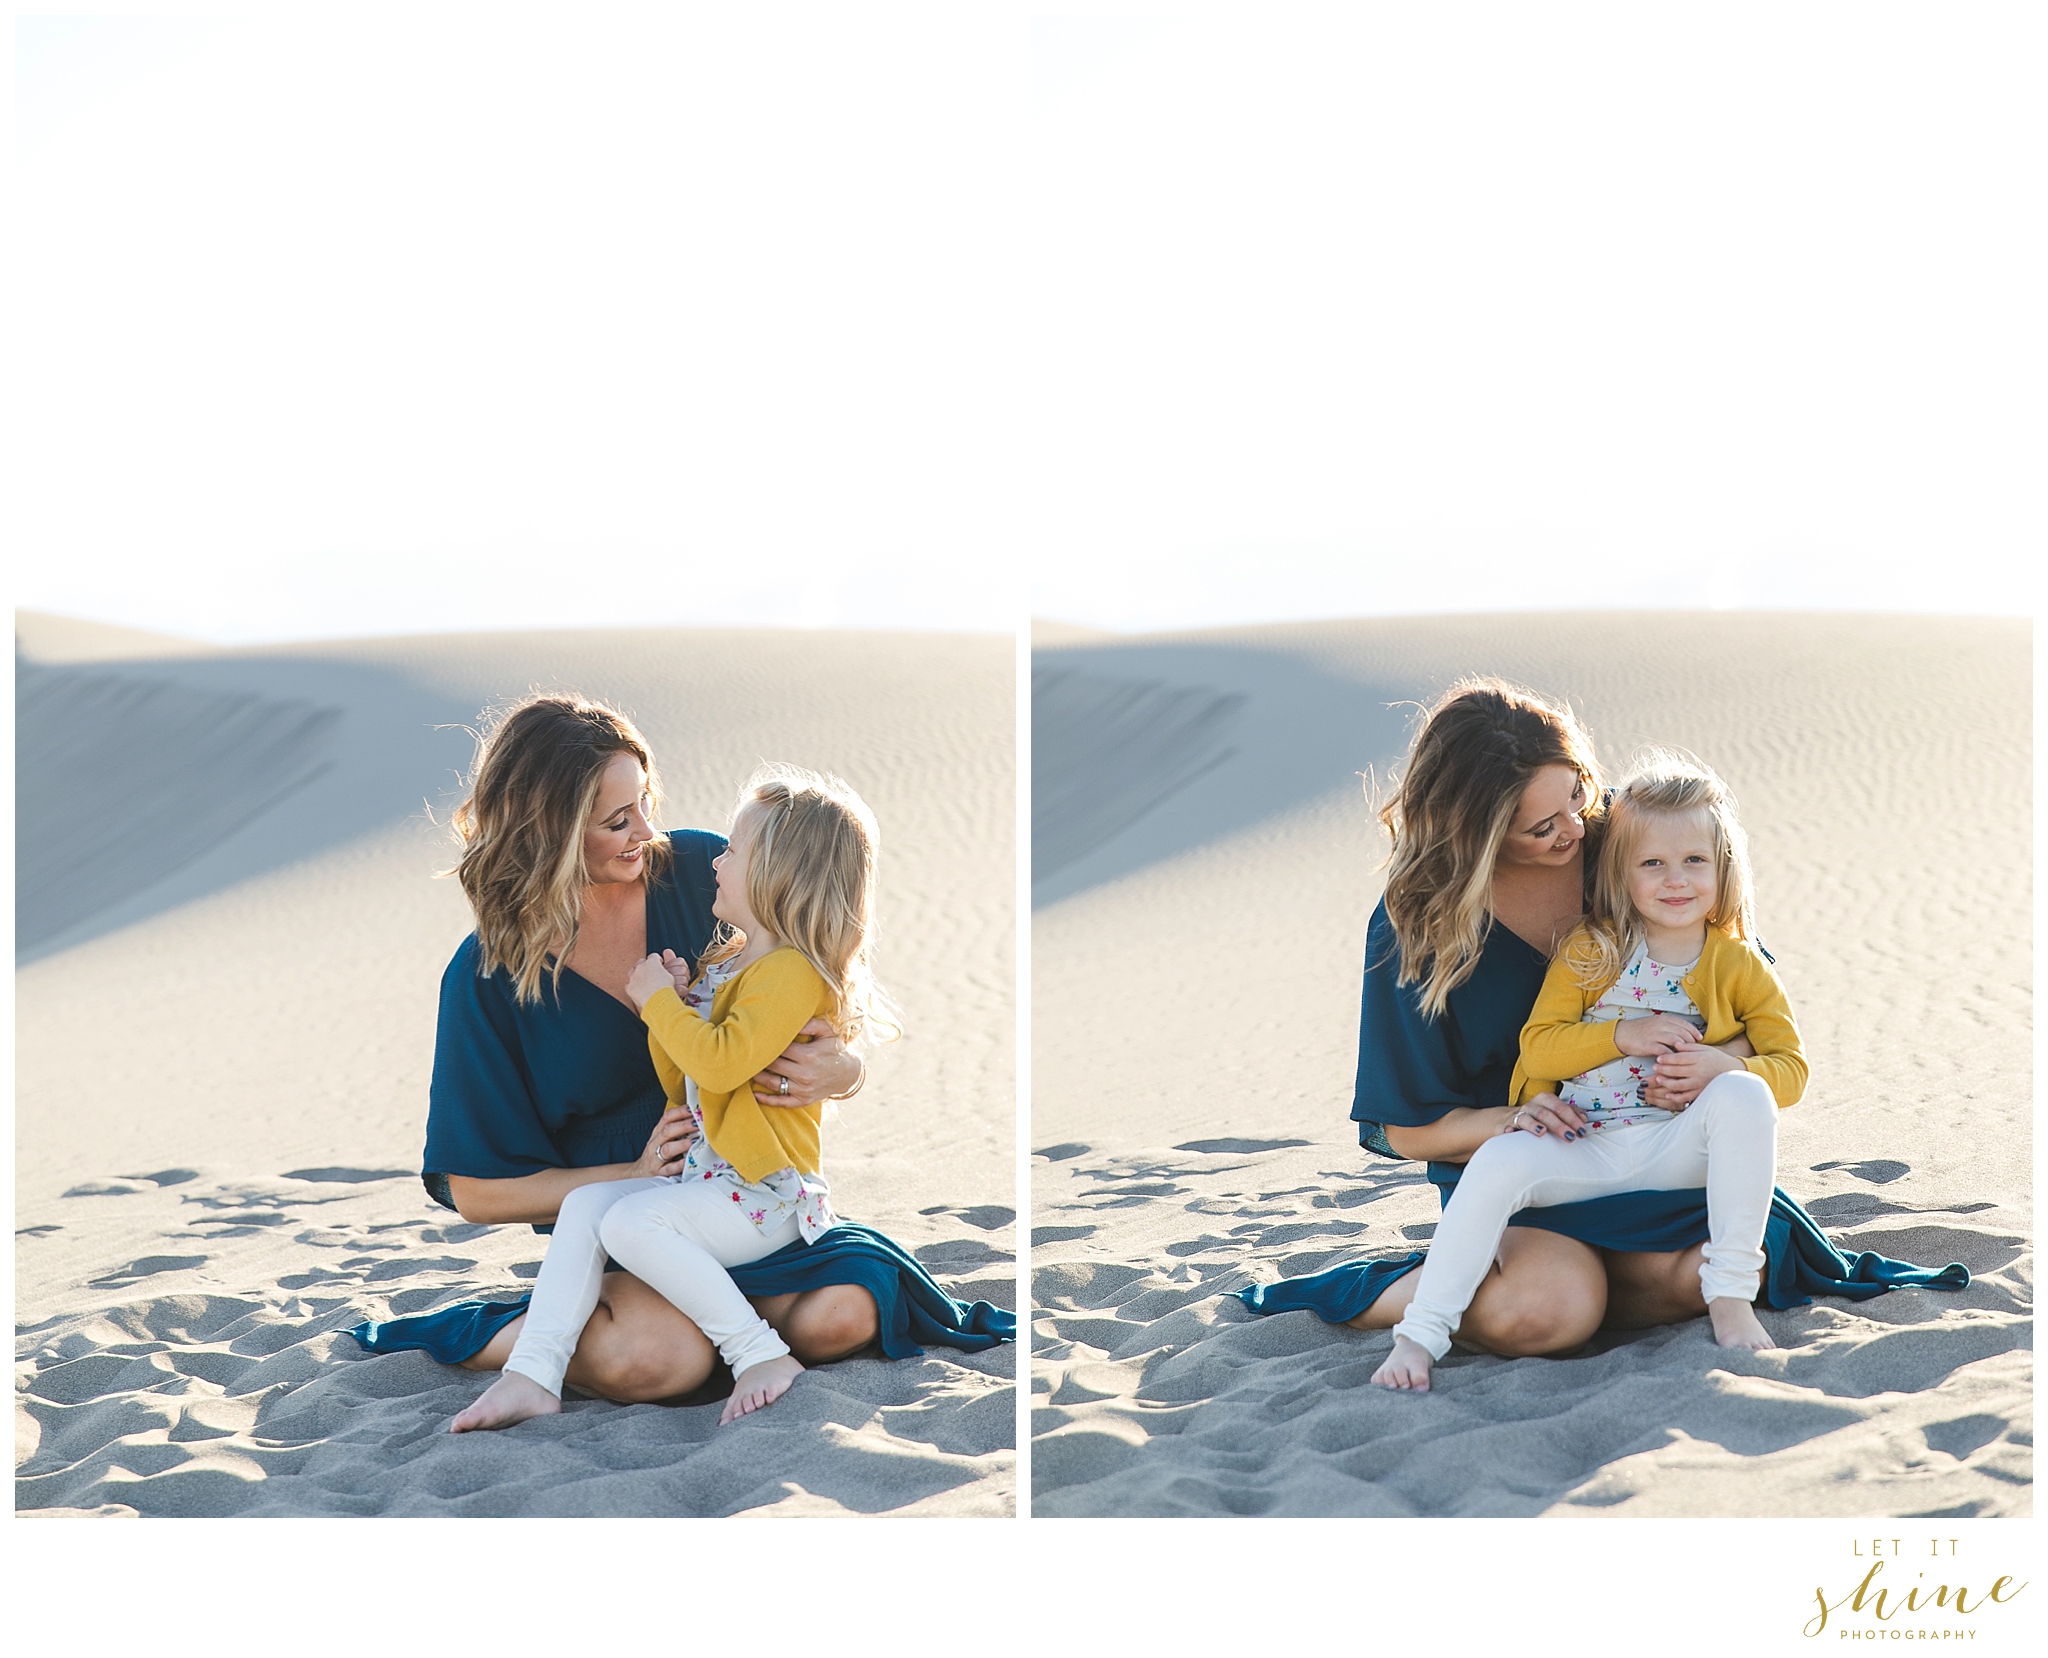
(1662,783)
(1449,812)
(811,847)
(539,764)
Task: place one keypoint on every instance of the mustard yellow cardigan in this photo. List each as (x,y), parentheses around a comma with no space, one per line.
(754,1016)
(1732,986)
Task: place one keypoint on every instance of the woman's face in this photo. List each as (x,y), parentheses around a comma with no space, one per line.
(1547,826)
(618,828)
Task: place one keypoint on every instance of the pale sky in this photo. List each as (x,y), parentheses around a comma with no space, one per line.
(1419,308)
(362,320)
(403,319)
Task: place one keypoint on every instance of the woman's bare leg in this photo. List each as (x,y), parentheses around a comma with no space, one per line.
(637,1348)
(1546,1294)
(832,1322)
(1645,1289)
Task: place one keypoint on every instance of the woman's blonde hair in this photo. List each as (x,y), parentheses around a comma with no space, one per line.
(539,764)
(811,846)
(1661,783)
(1478,749)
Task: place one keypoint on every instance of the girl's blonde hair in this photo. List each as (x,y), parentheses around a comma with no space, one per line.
(1478,749)
(1661,783)
(811,848)
(539,765)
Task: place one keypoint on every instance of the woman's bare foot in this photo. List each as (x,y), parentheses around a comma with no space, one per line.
(758,1385)
(511,1398)
(1406,1367)
(1736,1324)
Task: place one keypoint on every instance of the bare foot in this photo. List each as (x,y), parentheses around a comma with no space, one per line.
(1406,1367)
(511,1398)
(1736,1324)
(758,1385)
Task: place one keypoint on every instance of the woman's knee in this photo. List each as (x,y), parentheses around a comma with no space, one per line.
(1548,1299)
(1552,1319)
(637,1348)
(830,1323)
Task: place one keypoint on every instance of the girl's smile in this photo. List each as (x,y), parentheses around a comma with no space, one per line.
(1671,878)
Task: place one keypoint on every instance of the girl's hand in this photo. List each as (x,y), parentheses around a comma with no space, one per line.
(667,1144)
(1654,1033)
(678,971)
(1669,1094)
(651,975)
(1547,1114)
(1691,1070)
(819,1069)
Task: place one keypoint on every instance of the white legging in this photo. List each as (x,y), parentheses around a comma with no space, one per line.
(678,1236)
(1726,1140)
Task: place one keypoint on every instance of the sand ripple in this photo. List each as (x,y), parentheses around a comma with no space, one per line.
(232,1388)
(1158,1393)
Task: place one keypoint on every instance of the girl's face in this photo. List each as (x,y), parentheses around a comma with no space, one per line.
(1547,826)
(731,866)
(619,825)
(1671,879)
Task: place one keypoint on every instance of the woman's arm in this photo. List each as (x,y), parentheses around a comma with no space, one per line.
(535,1199)
(1452,1138)
(819,1067)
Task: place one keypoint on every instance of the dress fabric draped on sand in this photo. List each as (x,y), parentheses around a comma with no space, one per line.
(569,1082)
(1413,1069)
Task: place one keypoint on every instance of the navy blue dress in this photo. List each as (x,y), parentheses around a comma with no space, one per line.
(1412,1069)
(568,1083)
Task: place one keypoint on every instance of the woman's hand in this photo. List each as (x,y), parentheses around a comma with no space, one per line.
(1547,1114)
(651,975)
(667,1144)
(817,1066)
(1654,1033)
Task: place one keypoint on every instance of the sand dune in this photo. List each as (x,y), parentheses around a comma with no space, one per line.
(223,1044)
(1194,1036)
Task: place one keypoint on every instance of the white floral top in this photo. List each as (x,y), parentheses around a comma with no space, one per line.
(767,1203)
(1611,1095)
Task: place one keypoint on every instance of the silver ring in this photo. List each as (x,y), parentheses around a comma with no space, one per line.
(785,1086)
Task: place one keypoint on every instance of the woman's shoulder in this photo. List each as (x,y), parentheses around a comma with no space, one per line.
(688,865)
(695,842)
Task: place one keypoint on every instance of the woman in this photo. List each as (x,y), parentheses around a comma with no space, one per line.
(1494,827)
(543,1082)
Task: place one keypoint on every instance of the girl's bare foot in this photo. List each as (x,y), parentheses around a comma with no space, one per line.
(1406,1367)
(1736,1324)
(758,1385)
(511,1398)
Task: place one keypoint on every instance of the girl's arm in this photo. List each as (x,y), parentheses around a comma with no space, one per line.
(1557,1042)
(775,998)
(1766,1016)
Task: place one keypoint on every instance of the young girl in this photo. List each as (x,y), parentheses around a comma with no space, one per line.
(796,900)
(1662,967)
